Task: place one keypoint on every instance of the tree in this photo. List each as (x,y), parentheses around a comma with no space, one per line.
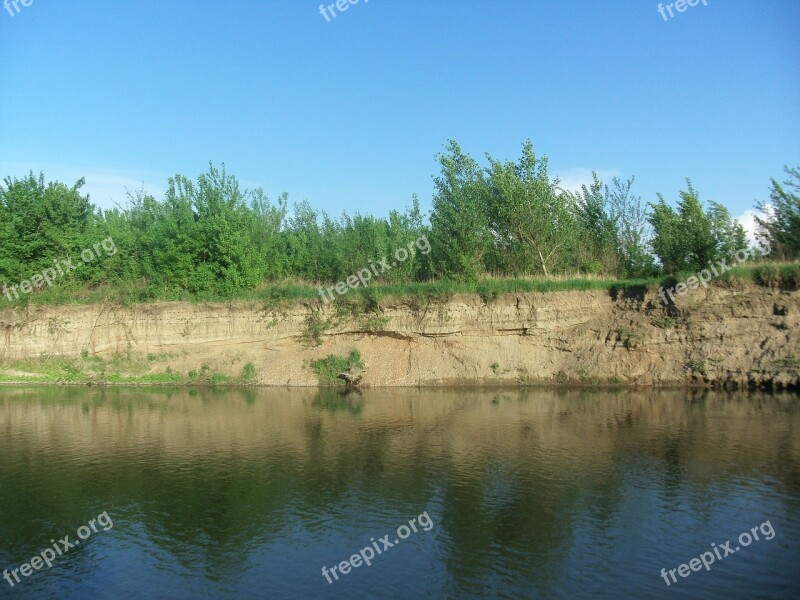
(40,223)
(532,224)
(598,232)
(780,225)
(459,224)
(630,217)
(683,240)
(729,235)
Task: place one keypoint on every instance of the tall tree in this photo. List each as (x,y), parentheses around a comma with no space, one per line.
(40,223)
(459,224)
(683,240)
(531,221)
(598,241)
(630,218)
(780,225)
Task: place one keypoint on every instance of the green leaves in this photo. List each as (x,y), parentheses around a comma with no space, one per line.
(533,224)
(40,223)
(780,226)
(459,222)
(690,239)
(209,238)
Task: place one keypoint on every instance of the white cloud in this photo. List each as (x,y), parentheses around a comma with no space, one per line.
(573,179)
(748,220)
(106,187)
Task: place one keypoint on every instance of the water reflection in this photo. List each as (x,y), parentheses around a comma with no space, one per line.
(533,493)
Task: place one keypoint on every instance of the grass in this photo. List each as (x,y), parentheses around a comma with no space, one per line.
(696,366)
(274,295)
(119,369)
(327,369)
(248,372)
(789,363)
(86,369)
(663,322)
(630,338)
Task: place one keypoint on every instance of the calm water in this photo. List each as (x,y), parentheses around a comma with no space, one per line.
(531,494)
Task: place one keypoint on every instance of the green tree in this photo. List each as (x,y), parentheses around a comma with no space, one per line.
(459,224)
(630,218)
(598,242)
(533,225)
(684,239)
(40,223)
(780,225)
(729,235)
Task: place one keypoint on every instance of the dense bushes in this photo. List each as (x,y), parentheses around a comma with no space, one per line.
(209,238)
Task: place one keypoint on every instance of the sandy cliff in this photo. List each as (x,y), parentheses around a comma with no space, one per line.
(737,334)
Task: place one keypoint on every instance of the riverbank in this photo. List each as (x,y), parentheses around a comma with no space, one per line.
(735,334)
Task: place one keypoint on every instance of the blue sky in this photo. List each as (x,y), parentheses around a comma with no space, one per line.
(350,113)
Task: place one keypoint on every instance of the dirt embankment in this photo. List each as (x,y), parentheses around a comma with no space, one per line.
(740,334)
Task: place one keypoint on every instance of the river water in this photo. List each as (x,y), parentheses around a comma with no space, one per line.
(230,493)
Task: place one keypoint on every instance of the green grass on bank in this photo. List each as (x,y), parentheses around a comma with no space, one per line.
(126,369)
(779,275)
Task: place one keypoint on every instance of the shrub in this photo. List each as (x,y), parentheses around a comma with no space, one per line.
(328,368)
(249,372)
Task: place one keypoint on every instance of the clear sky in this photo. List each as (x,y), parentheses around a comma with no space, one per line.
(350,113)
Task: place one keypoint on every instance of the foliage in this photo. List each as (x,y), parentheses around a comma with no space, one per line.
(459,224)
(249,372)
(314,327)
(780,226)
(533,225)
(504,227)
(689,239)
(329,368)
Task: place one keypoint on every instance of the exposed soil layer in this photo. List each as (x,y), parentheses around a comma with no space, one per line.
(737,335)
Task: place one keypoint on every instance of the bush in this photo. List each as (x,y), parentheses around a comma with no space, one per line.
(249,372)
(315,327)
(328,369)
(784,276)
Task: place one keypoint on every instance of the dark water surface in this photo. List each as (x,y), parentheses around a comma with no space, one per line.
(530,494)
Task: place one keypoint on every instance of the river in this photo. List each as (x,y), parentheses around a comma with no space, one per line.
(278,493)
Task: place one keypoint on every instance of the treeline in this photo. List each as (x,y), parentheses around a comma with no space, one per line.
(506,219)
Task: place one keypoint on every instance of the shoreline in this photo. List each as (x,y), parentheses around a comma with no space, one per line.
(733,336)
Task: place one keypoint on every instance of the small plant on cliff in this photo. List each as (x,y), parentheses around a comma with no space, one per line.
(328,368)
(585,377)
(219,379)
(373,322)
(790,362)
(663,322)
(487,295)
(315,327)
(629,338)
(697,366)
(249,372)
